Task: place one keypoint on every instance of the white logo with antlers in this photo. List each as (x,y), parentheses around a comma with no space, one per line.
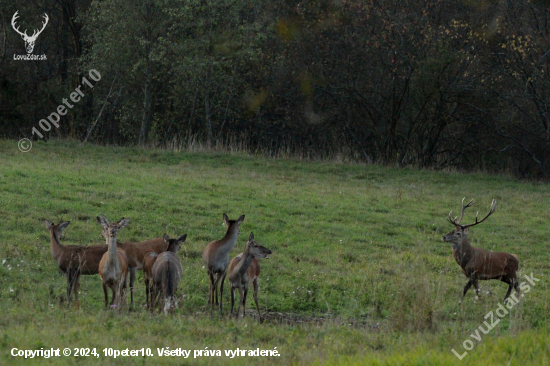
(29,40)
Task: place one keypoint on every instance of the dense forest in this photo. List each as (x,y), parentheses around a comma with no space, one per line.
(428,83)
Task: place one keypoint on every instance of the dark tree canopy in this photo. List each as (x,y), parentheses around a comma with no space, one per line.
(416,82)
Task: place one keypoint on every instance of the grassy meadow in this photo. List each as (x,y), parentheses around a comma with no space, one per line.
(358,275)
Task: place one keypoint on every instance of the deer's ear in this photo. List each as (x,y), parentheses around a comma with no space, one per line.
(225,219)
(182,238)
(240,219)
(123,222)
(103,221)
(166,238)
(63,225)
(48,224)
(251,237)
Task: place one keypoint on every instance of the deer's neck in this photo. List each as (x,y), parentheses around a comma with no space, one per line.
(229,240)
(244,263)
(56,247)
(112,249)
(463,252)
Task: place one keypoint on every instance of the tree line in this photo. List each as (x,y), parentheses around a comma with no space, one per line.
(410,82)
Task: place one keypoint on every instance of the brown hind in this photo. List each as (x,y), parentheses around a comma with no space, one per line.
(245,269)
(166,273)
(216,258)
(113,268)
(136,252)
(73,260)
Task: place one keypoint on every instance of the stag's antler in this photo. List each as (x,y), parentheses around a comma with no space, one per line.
(456,222)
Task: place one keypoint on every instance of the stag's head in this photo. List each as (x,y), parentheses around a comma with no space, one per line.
(460,233)
(29,40)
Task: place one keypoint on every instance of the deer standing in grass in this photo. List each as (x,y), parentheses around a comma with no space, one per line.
(216,258)
(148,263)
(245,269)
(73,260)
(113,268)
(477,263)
(136,252)
(166,273)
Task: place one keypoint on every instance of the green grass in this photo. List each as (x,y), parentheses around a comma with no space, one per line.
(359,274)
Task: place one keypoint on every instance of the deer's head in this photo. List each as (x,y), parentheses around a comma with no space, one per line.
(233,225)
(460,233)
(29,40)
(256,249)
(174,244)
(110,230)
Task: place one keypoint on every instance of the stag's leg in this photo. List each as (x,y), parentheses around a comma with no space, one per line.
(510,283)
(106,293)
(466,288)
(221,290)
(476,286)
(516,285)
(256,288)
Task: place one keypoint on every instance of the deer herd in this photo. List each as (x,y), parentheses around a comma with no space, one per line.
(162,269)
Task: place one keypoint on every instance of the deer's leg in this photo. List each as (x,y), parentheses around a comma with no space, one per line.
(152,296)
(132,280)
(256,288)
(147,291)
(218,277)
(516,285)
(221,290)
(211,288)
(240,302)
(244,300)
(510,283)
(232,289)
(106,293)
(476,286)
(69,286)
(76,285)
(124,286)
(467,287)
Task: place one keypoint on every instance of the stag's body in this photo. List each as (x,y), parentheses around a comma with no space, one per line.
(113,268)
(216,259)
(243,270)
(136,252)
(166,273)
(480,264)
(74,260)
